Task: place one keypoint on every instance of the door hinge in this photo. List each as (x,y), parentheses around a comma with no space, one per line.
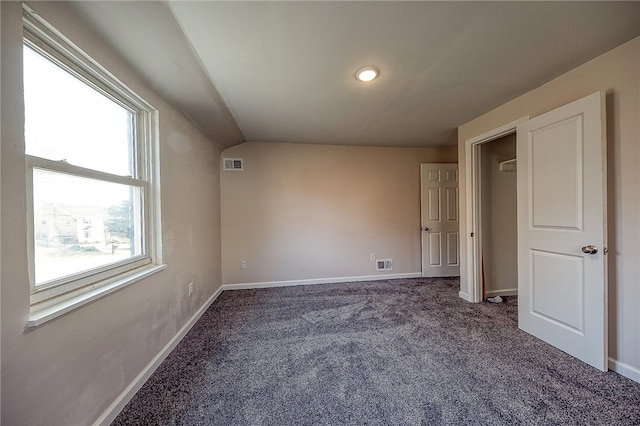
(472,235)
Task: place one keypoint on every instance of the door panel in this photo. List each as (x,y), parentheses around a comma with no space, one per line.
(561,208)
(559,277)
(439,206)
(434,204)
(556,158)
(452,204)
(434,249)
(452,249)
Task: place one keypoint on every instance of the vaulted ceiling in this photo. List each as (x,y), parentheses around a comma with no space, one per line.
(284,71)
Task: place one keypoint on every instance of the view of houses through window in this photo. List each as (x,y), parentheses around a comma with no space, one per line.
(75,234)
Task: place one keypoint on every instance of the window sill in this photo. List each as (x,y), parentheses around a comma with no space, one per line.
(56,307)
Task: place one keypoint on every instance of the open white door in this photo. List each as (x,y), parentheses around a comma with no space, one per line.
(562,285)
(439,219)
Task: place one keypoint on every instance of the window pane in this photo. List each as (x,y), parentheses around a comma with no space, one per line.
(81,223)
(65,119)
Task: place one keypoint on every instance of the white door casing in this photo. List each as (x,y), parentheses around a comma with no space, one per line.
(562,291)
(439,220)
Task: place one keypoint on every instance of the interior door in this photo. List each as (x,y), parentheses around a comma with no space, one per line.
(439,220)
(562,282)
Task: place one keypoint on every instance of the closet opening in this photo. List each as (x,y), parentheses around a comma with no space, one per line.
(498,228)
(491,211)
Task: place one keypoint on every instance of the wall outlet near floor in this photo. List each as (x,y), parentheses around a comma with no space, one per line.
(243,264)
(190,289)
(372,257)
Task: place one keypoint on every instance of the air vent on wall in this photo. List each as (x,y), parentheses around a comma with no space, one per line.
(383,264)
(234,164)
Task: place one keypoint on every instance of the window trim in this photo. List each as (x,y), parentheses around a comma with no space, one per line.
(80,288)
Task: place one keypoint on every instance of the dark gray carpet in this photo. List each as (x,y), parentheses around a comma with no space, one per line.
(397,352)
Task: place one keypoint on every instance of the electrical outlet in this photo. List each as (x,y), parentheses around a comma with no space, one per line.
(372,257)
(243,264)
(190,289)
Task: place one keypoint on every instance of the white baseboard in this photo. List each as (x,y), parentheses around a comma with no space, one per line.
(245,286)
(505,292)
(464,296)
(625,370)
(114,409)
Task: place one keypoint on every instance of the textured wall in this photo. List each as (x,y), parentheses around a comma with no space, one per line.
(302,212)
(617,73)
(68,371)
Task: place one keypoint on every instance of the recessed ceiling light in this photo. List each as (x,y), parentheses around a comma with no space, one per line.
(366,74)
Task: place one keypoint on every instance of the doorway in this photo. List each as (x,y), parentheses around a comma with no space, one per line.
(498,231)
(473,163)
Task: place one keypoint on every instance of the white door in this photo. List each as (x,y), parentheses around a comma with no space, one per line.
(561,222)
(439,220)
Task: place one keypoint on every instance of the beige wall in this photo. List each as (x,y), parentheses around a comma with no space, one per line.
(499,218)
(303,212)
(71,369)
(618,74)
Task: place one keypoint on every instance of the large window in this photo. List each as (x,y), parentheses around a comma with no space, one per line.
(89,145)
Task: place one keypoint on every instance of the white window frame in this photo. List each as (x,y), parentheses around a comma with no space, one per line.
(56,297)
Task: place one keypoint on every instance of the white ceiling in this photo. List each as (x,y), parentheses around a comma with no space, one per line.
(284,71)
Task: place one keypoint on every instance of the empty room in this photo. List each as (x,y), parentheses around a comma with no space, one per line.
(319,212)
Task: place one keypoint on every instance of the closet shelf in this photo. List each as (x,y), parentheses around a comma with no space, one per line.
(509,165)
